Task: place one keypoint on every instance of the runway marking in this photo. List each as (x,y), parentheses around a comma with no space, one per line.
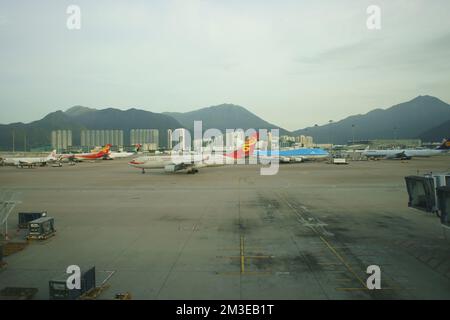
(110,274)
(178,256)
(246,257)
(327,244)
(341,258)
(344,262)
(246,246)
(248,273)
(242,255)
(242,258)
(195,227)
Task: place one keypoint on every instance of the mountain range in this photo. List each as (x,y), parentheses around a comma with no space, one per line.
(222,117)
(439,132)
(424,117)
(79,118)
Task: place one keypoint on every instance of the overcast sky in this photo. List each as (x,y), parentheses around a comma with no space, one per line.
(293,63)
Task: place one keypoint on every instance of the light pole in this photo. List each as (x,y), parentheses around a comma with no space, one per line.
(353,134)
(306,134)
(315,126)
(331,127)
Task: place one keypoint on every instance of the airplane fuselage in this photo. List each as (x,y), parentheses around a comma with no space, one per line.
(151,162)
(402,152)
(294,155)
(28,161)
(117,155)
(192,161)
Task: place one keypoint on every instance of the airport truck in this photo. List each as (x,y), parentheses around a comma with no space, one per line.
(41,228)
(340,161)
(26,217)
(58,289)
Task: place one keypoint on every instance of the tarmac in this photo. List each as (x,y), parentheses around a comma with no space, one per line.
(308,232)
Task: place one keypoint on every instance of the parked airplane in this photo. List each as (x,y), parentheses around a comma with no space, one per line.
(31,161)
(117,155)
(103,153)
(294,155)
(192,162)
(407,153)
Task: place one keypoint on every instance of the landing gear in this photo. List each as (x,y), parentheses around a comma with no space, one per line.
(192,171)
(143,170)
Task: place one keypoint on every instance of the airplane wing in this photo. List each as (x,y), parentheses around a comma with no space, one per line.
(69,157)
(24,162)
(191,166)
(175,167)
(401,156)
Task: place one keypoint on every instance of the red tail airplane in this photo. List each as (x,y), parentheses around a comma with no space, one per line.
(89,156)
(167,161)
(247,148)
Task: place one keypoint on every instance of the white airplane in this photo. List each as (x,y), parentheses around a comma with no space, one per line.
(31,161)
(294,155)
(407,153)
(118,155)
(192,162)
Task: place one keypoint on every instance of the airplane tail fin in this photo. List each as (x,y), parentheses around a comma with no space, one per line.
(104,152)
(445,145)
(246,149)
(106,148)
(138,147)
(52,155)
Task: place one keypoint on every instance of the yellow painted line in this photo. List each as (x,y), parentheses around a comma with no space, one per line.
(332,249)
(343,261)
(329,246)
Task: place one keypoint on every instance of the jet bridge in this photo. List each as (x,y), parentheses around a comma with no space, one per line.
(430,193)
(443,197)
